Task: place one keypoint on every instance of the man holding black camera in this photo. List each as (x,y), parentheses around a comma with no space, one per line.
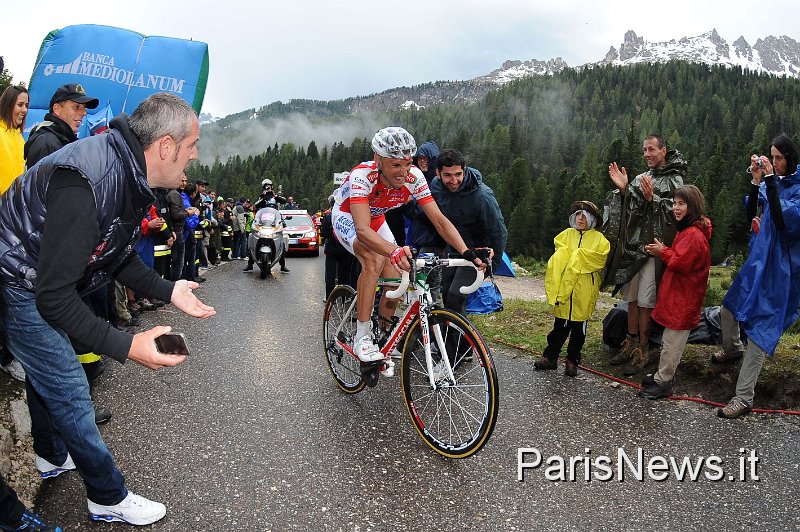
(266,195)
(102,186)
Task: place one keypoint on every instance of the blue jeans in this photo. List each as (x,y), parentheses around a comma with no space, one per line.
(240,245)
(64,411)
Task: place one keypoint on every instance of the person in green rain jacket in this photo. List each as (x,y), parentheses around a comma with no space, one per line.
(638,212)
(572,283)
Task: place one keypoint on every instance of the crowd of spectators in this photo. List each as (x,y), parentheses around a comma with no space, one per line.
(653,246)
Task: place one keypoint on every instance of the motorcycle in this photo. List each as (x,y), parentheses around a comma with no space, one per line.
(266,243)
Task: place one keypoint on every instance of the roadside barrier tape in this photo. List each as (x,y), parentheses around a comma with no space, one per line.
(639,386)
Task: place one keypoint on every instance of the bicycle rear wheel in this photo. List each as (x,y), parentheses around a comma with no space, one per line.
(345,368)
(457,418)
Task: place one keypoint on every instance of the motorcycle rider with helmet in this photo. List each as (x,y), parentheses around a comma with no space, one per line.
(271,203)
(267,194)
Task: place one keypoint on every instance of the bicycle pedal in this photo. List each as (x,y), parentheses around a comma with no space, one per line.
(371,377)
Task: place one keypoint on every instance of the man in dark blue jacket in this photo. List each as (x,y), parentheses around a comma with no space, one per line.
(101,186)
(472,208)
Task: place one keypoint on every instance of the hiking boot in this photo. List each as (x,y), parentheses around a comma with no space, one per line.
(721,357)
(648,379)
(133,307)
(570,368)
(545,363)
(120,326)
(134,510)
(736,408)
(639,359)
(366,350)
(30,522)
(48,470)
(145,305)
(625,353)
(15,369)
(656,391)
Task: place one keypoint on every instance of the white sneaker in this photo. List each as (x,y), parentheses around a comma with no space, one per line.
(388,368)
(48,470)
(366,350)
(15,369)
(134,510)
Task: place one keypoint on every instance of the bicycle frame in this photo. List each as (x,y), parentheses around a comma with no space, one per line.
(422,300)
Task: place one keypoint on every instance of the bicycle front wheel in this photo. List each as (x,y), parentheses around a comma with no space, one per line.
(457,418)
(345,368)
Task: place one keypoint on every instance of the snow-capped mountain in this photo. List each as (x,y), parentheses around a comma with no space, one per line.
(774,55)
(511,70)
(206,118)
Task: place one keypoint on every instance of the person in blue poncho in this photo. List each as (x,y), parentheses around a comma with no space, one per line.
(765,295)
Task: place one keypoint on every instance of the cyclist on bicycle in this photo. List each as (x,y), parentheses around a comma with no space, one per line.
(374,187)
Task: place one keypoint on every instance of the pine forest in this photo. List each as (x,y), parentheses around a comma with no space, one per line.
(544,141)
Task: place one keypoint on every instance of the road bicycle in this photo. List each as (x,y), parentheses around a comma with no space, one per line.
(452,400)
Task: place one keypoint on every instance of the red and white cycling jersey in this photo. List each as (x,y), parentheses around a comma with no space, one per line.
(364,186)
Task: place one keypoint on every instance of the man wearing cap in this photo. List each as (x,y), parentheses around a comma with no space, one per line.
(60,126)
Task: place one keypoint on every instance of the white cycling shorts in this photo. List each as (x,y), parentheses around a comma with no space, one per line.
(345,229)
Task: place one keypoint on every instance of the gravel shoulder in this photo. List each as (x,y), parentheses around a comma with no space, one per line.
(525,288)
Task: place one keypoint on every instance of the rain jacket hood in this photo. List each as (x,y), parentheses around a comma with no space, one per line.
(430,150)
(765,295)
(572,281)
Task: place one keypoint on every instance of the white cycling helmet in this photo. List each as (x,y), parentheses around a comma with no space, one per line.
(266,182)
(394,142)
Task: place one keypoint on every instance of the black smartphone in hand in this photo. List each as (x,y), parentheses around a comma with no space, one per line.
(172,344)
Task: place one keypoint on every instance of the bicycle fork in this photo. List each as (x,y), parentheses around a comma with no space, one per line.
(426,344)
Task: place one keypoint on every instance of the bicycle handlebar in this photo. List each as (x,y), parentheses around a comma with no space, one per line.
(398,292)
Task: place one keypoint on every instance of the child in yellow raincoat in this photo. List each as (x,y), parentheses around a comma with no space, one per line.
(572,283)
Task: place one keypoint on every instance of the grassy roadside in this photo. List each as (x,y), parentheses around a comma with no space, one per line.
(527,323)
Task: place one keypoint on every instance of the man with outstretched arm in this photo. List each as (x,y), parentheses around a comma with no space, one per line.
(67,227)
(639,211)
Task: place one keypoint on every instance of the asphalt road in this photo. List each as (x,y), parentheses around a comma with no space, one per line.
(251,433)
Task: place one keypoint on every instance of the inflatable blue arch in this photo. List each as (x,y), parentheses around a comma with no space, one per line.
(117,66)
